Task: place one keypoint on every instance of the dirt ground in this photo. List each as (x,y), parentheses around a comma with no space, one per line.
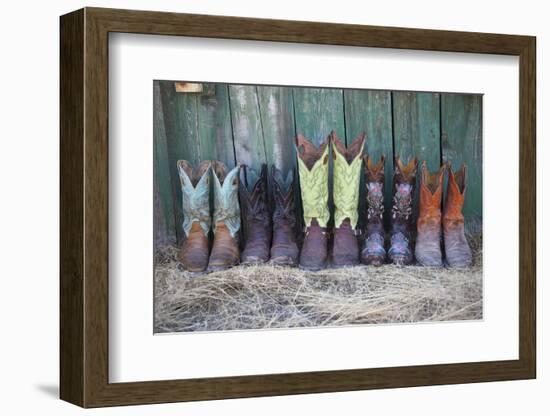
(266,296)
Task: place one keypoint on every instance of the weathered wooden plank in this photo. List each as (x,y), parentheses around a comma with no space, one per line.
(277,115)
(371,112)
(215,133)
(181,124)
(318,111)
(165,226)
(247,126)
(462,143)
(416,126)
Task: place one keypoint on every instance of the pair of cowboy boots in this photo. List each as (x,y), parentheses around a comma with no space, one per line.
(225,221)
(431,220)
(263,242)
(400,251)
(313,167)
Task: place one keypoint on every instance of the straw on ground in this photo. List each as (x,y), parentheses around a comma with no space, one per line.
(267,296)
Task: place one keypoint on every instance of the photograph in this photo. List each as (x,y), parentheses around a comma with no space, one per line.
(279,207)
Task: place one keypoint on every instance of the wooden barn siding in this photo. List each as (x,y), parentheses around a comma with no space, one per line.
(257,124)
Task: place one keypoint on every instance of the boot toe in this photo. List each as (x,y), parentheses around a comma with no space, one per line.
(373,260)
(429,262)
(282,260)
(345,261)
(400,260)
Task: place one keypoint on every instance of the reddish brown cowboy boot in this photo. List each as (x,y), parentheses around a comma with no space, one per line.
(457,250)
(195,188)
(284,250)
(428,226)
(373,251)
(313,166)
(255,214)
(347,175)
(227,218)
(404,179)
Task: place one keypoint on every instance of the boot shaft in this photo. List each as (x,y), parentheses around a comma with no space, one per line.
(253,194)
(374,182)
(226,198)
(456,189)
(347,175)
(283,197)
(404,180)
(431,191)
(313,166)
(195,189)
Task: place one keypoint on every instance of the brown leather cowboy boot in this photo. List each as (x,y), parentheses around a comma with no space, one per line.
(373,251)
(428,225)
(284,250)
(313,165)
(195,189)
(255,214)
(404,179)
(457,250)
(347,174)
(227,218)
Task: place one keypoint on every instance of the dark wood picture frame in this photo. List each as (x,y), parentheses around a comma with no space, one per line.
(84,207)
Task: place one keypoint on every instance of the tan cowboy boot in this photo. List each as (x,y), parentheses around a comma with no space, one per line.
(457,250)
(428,238)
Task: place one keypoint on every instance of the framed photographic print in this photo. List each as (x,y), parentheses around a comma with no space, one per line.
(261,207)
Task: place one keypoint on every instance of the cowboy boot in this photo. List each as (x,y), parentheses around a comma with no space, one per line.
(404,179)
(373,251)
(313,165)
(428,225)
(457,250)
(257,223)
(195,189)
(227,218)
(284,250)
(347,173)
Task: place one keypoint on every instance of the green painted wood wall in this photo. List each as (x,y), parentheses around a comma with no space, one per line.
(257,124)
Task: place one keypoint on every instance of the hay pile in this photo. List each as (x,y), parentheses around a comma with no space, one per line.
(259,297)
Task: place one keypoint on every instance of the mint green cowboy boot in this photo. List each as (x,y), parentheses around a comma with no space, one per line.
(227,218)
(195,189)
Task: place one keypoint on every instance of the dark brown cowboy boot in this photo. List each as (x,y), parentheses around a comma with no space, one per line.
(373,251)
(457,250)
(404,178)
(284,250)
(428,238)
(255,214)
(347,175)
(195,189)
(227,218)
(313,165)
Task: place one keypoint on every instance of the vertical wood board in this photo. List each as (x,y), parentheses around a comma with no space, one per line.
(462,143)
